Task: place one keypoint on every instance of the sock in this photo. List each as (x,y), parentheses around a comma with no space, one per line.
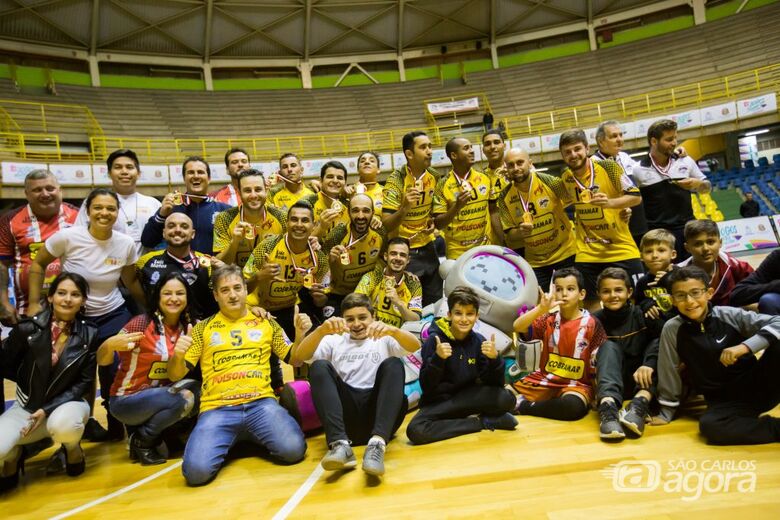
(607,400)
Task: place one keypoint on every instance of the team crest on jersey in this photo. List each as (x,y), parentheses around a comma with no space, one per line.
(254,334)
(372,241)
(267,224)
(482,189)
(155,277)
(189,277)
(111,260)
(543,203)
(216,339)
(373,252)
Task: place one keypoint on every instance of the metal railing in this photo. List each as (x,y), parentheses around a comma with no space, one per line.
(49,118)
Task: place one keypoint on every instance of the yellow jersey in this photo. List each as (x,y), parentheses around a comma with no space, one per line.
(552,237)
(408,289)
(471,225)
(497,180)
(281,294)
(274,223)
(416,220)
(363,255)
(234,358)
(601,235)
(283,198)
(320,202)
(374,191)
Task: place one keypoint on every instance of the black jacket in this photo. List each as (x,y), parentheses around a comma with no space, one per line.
(27,351)
(636,335)
(441,378)
(765,279)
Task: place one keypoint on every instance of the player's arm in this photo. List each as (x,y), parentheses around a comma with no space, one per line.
(8,314)
(308,346)
(495,222)
(177,365)
(226,242)
(35,279)
(129,277)
(627,200)
(443,220)
(546,302)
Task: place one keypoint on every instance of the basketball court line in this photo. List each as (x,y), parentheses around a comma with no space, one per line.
(300,493)
(117,493)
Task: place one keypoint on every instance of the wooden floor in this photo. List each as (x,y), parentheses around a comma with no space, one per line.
(544,469)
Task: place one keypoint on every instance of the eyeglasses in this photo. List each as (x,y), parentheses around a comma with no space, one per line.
(695,294)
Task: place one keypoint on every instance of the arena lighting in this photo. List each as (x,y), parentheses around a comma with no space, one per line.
(637,154)
(542,169)
(756,132)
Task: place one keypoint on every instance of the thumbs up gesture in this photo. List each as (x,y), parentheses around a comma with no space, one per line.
(489,348)
(184,342)
(443,350)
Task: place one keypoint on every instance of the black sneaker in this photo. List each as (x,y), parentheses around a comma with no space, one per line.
(634,415)
(93,432)
(610,429)
(499,422)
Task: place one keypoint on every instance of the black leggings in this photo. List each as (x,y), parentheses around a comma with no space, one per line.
(568,407)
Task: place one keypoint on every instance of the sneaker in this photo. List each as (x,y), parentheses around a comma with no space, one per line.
(374,459)
(339,457)
(498,422)
(610,428)
(93,432)
(634,415)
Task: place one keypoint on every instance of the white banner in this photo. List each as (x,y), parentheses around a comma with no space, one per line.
(719,114)
(72,174)
(689,119)
(550,142)
(747,234)
(100,175)
(439,158)
(448,107)
(757,105)
(532,145)
(14,172)
(629,130)
(399,160)
(153,175)
(591,134)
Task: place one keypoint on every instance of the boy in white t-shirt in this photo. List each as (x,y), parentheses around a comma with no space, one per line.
(357,382)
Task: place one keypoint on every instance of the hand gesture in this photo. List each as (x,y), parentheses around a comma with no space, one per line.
(302,323)
(443,350)
(489,348)
(687,183)
(625,214)
(33,422)
(600,199)
(239,230)
(390,291)
(334,325)
(349,191)
(335,254)
(376,222)
(8,314)
(167,205)
(411,198)
(377,329)
(329,216)
(547,301)
(654,313)
(315,185)
(260,312)
(730,355)
(184,343)
(270,271)
(463,198)
(644,377)
(124,342)
(525,229)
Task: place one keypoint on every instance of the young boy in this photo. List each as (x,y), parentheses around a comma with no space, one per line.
(626,364)
(702,241)
(562,388)
(357,382)
(462,378)
(718,347)
(657,248)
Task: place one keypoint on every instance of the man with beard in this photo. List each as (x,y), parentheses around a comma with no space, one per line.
(666,182)
(291,189)
(195,203)
(494,148)
(599,191)
(533,217)
(236,161)
(329,208)
(464,201)
(237,231)
(407,208)
(195,267)
(395,292)
(354,250)
(368,171)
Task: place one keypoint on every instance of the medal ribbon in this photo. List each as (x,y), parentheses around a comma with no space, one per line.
(592,170)
(292,258)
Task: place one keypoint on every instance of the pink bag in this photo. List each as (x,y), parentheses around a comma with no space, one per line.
(295,397)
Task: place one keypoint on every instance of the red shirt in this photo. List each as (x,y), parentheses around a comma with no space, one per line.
(226,194)
(147,365)
(21,236)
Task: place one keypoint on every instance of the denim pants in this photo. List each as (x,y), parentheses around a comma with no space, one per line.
(152,410)
(262,421)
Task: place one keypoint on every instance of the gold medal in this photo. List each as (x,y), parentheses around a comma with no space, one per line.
(419,185)
(389,283)
(249,232)
(344,257)
(204,261)
(178,200)
(308,280)
(360,187)
(466,186)
(528,218)
(586,196)
(336,206)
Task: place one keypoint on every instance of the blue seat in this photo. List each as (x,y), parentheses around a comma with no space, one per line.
(749,164)
(763,161)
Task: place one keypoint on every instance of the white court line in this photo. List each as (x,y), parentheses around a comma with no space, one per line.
(299,495)
(118,492)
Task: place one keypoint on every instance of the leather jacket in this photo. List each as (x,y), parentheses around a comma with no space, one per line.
(27,352)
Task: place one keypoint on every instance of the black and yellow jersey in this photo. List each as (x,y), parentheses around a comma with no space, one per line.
(283,198)
(409,290)
(363,255)
(416,220)
(273,223)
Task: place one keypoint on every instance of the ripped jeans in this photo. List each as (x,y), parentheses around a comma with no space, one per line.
(153,410)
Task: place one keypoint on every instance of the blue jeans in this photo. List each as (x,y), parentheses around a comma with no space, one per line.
(263,422)
(769,303)
(152,410)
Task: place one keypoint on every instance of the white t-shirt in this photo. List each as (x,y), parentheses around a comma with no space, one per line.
(356,361)
(100,262)
(134,211)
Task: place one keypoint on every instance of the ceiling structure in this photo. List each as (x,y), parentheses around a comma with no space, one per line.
(210,34)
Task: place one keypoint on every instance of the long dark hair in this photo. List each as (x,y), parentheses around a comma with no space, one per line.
(79,281)
(154,302)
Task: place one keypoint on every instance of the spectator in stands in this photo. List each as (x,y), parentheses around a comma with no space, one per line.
(408,207)
(238,230)
(761,286)
(609,139)
(234,345)
(103,257)
(533,217)
(703,242)
(22,234)
(353,250)
(464,203)
(284,194)
(357,382)
(718,346)
(178,257)
(395,292)
(135,209)
(749,208)
(141,395)
(330,206)
(462,377)
(368,173)
(599,191)
(494,149)
(52,354)
(487,120)
(666,182)
(236,160)
(196,204)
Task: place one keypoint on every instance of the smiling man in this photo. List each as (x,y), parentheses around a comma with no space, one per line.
(236,161)
(195,203)
(330,209)
(291,189)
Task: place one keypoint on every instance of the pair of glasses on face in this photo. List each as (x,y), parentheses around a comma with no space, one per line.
(694,294)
